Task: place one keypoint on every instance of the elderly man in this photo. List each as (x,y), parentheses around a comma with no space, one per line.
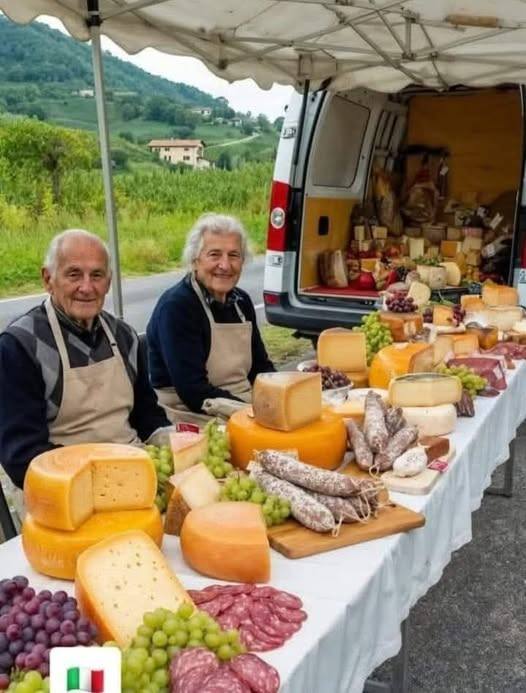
(70,372)
(204,345)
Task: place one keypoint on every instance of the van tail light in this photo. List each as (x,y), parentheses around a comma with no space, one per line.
(278,222)
(270,299)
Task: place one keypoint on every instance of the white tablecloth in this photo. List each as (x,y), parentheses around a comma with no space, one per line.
(357,597)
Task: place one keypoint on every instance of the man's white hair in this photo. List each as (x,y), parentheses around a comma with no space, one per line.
(55,247)
(215,223)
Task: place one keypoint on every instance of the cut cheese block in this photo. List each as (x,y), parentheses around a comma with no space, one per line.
(416,248)
(487,336)
(472,302)
(54,552)
(398,359)
(342,350)
(519,327)
(425,390)
(286,401)
(473,258)
(121,578)
(187,449)
(432,421)
(358,378)
(419,292)
(65,486)
(442,348)
(193,488)
(454,275)
(227,541)
(497,295)
(321,443)
(450,248)
(360,233)
(465,344)
(470,244)
(354,405)
(502,317)
(453,233)
(380,232)
(368,264)
(443,316)
(403,326)
(434,277)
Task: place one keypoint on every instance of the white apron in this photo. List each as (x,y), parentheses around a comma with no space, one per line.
(228,365)
(96,399)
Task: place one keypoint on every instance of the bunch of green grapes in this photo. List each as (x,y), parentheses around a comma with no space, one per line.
(239,487)
(163,633)
(471,381)
(218,453)
(377,335)
(29,682)
(164,468)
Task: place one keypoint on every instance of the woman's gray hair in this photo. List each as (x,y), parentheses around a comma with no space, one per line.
(55,247)
(215,223)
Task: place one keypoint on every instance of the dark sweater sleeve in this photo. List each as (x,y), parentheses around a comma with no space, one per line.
(179,332)
(24,431)
(147,415)
(260,359)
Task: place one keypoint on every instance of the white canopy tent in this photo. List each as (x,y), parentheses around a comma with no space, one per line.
(339,44)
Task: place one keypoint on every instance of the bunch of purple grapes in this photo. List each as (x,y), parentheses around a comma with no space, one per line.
(400,303)
(458,314)
(330,379)
(427,314)
(31,623)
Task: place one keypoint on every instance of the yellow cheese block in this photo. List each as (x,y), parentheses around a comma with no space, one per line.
(187,449)
(472,303)
(443,316)
(398,359)
(193,488)
(402,326)
(465,344)
(286,401)
(442,348)
(497,295)
(470,244)
(121,578)
(424,390)
(502,317)
(342,350)
(54,552)
(450,248)
(454,274)
(227,541)
(368,264)
(321,443)
(65,486)
(358,378)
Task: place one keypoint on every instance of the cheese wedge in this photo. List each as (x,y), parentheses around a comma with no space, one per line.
(121,578)
(424,390)
(193,488)
(403,326)
(465,344)
(454,275)
(65,486)
(227,541)
(443,316)
(497,295)
(342,350)
(187,449)
(286,401)
(416,248)
(450,248)
(54,552)
(432,421)
(419,292)
(398,359)
(502,317)
(442,348)
(354,406)
(472,303)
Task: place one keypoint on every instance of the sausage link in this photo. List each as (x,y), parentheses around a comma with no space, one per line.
(394,419)
(362,452)
(398,444)
(304,508)
(374,427)
(346,509)
(305,475)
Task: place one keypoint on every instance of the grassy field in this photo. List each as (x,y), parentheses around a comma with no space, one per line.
(282,346)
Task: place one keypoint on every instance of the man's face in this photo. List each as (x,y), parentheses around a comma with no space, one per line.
(80,281)
(219,264)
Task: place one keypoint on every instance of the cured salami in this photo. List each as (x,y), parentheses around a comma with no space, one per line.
(191,682)
(192,658)
(304,508)
(255,641)
(394,419)
(224,680)
(374,427)
(288,600)
(217,605)
(346,510)
(362,451)
(259,676)
(398,444)
(289,468)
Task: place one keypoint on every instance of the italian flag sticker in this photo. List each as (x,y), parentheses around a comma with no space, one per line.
(82,680)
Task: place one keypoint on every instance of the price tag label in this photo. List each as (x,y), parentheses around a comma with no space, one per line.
(182,427)
(439,465)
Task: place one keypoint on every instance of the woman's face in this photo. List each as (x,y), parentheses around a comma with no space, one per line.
(219,264)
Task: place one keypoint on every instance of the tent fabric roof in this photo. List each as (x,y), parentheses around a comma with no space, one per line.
(381,44)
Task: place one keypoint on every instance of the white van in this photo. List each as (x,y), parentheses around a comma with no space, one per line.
(323,170)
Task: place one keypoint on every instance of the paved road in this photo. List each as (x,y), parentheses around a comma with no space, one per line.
(231,142)
(141,293)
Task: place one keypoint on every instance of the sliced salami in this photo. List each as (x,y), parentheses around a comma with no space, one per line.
(191,681)
(238,611)
(192,658)
(202,596)
(257,674)
(267,621)
(249,637)
(265,592)
(218,605)
(228,621)
(287,615)
(224,680)
(289,601)
(238,589)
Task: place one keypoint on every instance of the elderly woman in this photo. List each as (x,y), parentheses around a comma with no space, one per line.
(204,344)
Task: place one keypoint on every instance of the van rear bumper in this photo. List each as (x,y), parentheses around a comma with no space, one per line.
(310,321)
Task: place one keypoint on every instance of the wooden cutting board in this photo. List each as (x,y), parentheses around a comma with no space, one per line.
(295,541)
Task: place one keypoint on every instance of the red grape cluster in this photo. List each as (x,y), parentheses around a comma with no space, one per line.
(427,314)
(458,314)
(400,303)
(329,379)
(31,623)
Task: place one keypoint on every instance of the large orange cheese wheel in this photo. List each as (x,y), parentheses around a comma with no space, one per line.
(399,359)
(54,552)
(321,443)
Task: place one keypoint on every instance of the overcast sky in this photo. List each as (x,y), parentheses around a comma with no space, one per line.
(243,96)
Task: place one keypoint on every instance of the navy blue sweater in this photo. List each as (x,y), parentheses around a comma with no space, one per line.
(179,341)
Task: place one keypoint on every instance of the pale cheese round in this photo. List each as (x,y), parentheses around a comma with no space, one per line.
(432,421)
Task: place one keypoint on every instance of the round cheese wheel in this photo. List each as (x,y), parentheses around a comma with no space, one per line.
(54,552)
(399,359)
(321,443)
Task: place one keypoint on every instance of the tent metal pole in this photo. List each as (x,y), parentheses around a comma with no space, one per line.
(105,154)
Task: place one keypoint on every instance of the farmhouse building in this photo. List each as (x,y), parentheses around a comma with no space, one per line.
(189,152)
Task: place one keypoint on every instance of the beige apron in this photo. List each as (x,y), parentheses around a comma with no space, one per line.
(96,399)
(228,365)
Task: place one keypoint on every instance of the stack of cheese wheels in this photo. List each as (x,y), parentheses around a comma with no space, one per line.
(287,415)
(77,495)
(427,401)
